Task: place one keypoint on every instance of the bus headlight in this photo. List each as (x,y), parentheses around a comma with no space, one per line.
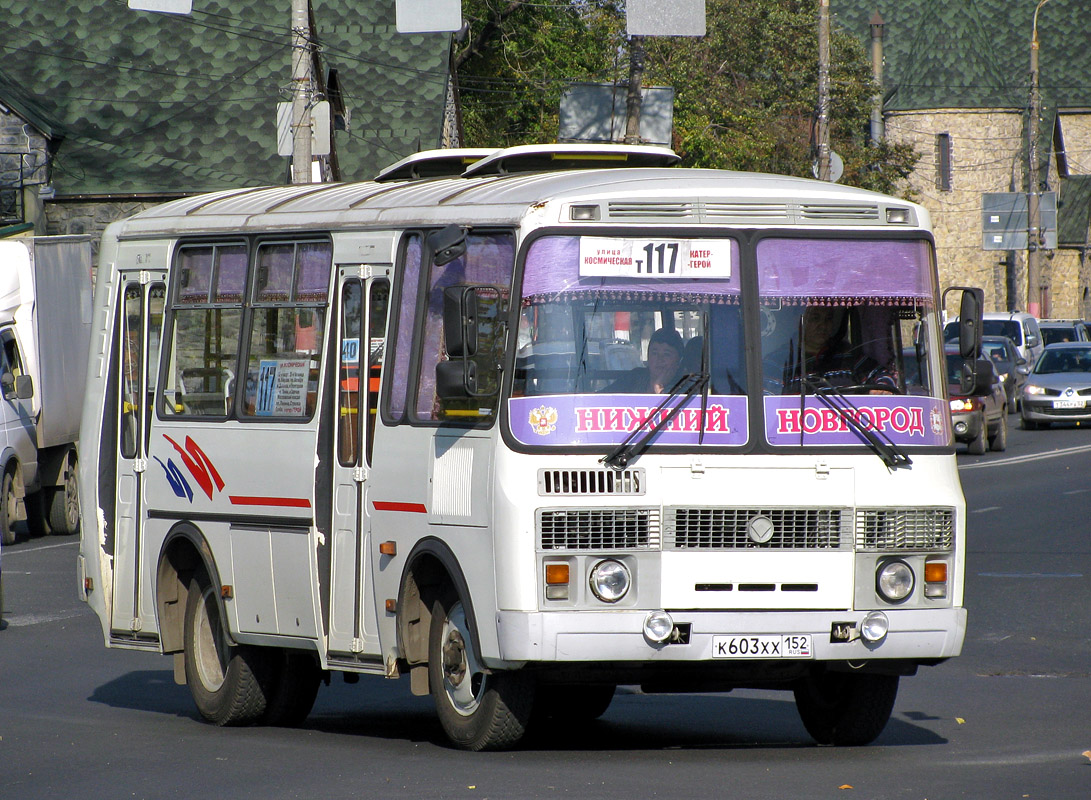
(894,581)
(610,580)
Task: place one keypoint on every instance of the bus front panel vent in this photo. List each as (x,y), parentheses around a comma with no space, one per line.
(593,482)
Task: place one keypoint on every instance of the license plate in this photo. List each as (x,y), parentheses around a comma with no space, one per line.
(767,646)
(1068,403)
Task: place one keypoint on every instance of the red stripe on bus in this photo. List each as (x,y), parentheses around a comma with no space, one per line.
(280,502)
(416,508)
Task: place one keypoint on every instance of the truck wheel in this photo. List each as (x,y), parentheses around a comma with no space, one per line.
(998,442)
(294,689)
(9,504)
(845,709)
(229,683)
(478,710)
(64,503)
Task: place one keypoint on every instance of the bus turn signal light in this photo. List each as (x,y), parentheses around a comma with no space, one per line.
(388,548)
(556,578)
(935,579)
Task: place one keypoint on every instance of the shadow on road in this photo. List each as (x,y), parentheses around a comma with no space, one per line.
(378,708)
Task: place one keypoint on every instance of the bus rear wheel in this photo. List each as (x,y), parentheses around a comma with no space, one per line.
(479,710)
(845,709)
(229,683)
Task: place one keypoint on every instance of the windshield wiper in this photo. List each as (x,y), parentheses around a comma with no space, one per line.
(687,386)
(879,443)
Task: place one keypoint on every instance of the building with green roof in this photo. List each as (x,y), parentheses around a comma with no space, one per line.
(104,109)
(956,84)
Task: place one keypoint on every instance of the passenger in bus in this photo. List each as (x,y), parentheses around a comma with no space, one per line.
(830,359)
(665,351)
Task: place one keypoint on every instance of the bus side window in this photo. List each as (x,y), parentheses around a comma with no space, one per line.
(398,391)
(379,303)
(489,260)
(131,357)
(349,379)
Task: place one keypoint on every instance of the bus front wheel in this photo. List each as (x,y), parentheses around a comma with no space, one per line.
(845,709)
(479,710)
(229,683)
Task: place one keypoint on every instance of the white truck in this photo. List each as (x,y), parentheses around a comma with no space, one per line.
(45,323)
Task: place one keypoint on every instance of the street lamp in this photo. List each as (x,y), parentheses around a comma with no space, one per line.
(1034,211)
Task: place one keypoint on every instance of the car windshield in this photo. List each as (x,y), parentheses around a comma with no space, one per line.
(1054,334)
(1066,359)
(609,327)
(997,352)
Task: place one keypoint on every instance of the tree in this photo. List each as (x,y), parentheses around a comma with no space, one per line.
(745,93)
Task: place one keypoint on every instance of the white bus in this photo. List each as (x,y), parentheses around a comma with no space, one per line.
(421,427)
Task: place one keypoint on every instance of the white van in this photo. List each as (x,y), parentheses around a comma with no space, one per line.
(1019,326)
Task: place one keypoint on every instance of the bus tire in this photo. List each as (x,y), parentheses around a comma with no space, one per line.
(478,710)
(229,683)
(9,510)
(63,509)
(845,709)
(294,689)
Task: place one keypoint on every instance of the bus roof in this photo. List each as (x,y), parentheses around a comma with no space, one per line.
(642,195)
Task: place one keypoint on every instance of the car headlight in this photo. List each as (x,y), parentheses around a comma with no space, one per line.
(962,404)
(1030,388)
(610,580)
(894,581)
(1003,376)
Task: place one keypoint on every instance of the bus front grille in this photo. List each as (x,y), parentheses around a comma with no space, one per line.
(768,528)
(598,529)
(905,528)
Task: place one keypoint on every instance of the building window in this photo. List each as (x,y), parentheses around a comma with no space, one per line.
(943,162)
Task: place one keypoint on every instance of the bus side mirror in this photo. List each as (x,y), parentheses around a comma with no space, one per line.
(969,322)
(460,321)
(982,378)
(456,380)
(970,311)
(447,244)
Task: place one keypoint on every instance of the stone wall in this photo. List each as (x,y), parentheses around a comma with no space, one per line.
(988,155)
(24,163)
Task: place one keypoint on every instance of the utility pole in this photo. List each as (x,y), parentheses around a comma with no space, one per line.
(877,132)
(633,97)
(1034,210)
(301,92)
(823,128)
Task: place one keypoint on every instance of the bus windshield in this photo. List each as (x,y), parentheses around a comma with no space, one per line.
(610,326)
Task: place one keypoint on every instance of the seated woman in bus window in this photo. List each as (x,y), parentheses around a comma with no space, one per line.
(662,371)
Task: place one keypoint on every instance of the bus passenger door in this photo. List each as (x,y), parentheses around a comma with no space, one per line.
(141,300)
(361,331)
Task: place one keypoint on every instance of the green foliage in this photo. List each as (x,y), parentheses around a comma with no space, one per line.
(745,93)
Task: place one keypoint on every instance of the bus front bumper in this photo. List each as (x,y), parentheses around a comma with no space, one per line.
(918,635)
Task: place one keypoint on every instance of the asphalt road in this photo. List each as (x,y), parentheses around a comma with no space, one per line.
(1008,719)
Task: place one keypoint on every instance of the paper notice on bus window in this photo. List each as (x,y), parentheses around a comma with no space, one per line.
(655,258)
(282,388)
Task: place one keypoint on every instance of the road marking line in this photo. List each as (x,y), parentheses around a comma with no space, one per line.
(986,508)
(13,553)
(1003,462)
(1030,574)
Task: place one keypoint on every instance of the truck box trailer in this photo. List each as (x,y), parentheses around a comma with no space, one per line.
(45,322)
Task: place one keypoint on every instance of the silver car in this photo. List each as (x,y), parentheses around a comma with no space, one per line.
(1058,389)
